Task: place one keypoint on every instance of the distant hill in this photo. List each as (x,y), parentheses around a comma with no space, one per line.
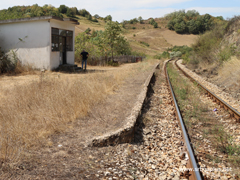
(143,37)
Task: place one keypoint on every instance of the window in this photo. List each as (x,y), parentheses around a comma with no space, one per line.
(57,38)
(69,41)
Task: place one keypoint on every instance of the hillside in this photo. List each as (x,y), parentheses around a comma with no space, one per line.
(228,74)
(144,37)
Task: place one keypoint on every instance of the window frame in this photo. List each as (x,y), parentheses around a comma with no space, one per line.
(56,32)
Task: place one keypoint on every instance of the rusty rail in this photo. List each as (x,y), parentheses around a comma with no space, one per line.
(235,114)
(192,164)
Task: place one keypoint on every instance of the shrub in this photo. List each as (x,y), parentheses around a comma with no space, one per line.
(155,25)
(144,43)
(175,54)
(94,20)
(164,55)
(11,64)
(6,64)
(88,30)
(89,17)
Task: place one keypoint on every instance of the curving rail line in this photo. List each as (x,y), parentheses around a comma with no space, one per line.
(235,114)
(192,164)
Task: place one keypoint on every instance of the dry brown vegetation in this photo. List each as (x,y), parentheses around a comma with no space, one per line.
(49,103)
(159,39)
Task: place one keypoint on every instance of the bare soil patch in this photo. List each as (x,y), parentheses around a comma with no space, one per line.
(178,39)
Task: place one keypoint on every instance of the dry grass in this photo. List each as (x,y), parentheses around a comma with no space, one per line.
(230,69)
(47,105)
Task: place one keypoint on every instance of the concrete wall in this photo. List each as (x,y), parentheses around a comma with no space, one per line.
(35,49)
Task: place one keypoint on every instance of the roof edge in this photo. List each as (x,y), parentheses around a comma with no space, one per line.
(38,19)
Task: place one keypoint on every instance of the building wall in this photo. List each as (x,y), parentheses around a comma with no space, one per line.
(34,49)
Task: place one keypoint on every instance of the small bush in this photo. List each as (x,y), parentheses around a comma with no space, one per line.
(164,55)
(175,54)
(6,65)
(113,63)
(10,64)
(133,27)
(155,25)
(157,56)
(224,54)
(144,43)
(94,20)
(88,30)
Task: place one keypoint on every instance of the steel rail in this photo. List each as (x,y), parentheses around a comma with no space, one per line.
(193,164)
(234,113)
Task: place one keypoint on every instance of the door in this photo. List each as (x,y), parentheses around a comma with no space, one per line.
(63,51)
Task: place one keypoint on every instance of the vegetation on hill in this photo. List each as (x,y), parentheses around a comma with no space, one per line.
(141,21)
(217,45)
(16,12)
(190,22)
(105,43)
(35,10)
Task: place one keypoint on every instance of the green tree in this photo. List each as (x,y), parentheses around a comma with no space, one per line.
(89,17)
(75,11)
(112,32)
(69,12)
(155,25)
(108,18)
(192,27)
(63,9)
(123,46)
(180,27)
(96,16)
(140,19)
(83,12)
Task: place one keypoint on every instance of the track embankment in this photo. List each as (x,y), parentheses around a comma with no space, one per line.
(214,88)
(214,134)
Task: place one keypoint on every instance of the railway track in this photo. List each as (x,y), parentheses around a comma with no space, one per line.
(159,150)
(233,112)
(192,162)
(192,166)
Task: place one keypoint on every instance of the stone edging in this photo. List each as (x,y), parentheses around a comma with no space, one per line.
(126,133)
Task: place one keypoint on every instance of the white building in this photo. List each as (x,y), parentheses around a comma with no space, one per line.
(43,42)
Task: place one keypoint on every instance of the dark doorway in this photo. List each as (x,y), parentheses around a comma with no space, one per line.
(64,52)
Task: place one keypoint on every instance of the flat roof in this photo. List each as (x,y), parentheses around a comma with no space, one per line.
(38,19)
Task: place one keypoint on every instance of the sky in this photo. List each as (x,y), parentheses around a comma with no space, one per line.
(128,9)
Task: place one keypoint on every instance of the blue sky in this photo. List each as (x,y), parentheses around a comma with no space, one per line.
(129,9)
